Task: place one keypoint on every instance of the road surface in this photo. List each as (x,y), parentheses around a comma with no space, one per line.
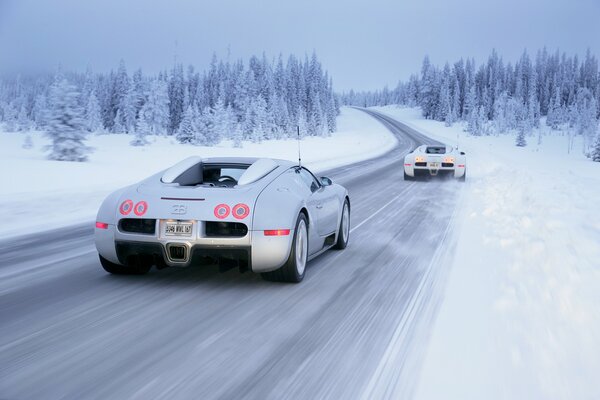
(356,327)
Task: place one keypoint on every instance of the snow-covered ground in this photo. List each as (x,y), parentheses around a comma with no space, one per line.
(39,194)
(521,313)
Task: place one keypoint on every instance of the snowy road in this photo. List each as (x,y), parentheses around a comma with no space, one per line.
(356,326)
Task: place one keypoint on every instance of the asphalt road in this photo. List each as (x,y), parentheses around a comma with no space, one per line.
(356,327)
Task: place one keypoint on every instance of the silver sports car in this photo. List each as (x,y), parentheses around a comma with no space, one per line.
(264,215)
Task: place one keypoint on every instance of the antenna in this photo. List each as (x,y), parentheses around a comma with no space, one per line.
(299,157)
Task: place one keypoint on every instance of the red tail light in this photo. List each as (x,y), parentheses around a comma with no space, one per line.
(222,211)
(126,207)
(407,165)
(461,165)
(240,211)
(277,232)
(140,208)
(101,225)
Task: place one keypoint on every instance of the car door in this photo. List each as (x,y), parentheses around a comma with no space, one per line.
(325,203)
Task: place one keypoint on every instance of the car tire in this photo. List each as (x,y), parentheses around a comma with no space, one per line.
(463,178)
(294,268)
(408,177)
(118,269)
(344,230)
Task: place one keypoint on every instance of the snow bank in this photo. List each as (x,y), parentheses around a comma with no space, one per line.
(39,194)
(521,315)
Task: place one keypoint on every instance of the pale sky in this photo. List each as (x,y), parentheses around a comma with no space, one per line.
(363,44)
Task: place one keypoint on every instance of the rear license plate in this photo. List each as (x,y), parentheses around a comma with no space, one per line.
(434,165)
(178,229)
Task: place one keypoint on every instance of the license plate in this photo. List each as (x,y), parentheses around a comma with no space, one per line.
(178,229)
(434,164)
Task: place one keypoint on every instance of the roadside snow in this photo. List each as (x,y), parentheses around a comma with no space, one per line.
(39,194)
(521,314)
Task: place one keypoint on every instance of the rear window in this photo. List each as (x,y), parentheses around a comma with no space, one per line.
(220,175)
(435,150)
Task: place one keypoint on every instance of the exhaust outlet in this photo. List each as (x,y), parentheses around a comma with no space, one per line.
(177,252)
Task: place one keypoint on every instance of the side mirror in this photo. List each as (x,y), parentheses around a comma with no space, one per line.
(325,181)
(462,153)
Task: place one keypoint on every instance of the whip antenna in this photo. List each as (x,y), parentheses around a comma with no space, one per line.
(299,157)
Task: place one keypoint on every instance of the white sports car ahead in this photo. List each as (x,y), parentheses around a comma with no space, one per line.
(427,161)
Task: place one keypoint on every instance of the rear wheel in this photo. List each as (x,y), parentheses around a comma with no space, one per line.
(408,177)
(136,268)
(293,269)
(463,178)
(344,231)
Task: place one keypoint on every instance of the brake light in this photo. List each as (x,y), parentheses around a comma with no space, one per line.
(461,165)
(222,211)
(277,232)
(101,225)
(407,165)
(126,207)
(240,211)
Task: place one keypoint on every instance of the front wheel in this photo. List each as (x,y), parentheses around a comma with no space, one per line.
(344,231)
(294,267)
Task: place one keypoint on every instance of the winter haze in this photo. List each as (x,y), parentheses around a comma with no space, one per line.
(386,38)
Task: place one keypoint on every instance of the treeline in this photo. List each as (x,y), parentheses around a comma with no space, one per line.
(260,99)
(499,97)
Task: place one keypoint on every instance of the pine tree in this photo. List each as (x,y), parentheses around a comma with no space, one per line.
(142,129)
(65,125)
(521,141)
(596,150)
(93,118)
(23,121)
(10,117)
(157,107)
(39,111)
(207,135)
(187,129)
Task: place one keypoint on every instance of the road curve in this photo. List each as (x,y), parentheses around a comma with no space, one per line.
(356,326)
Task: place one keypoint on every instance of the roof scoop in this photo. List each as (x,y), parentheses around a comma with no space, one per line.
(259,169)
(183,173)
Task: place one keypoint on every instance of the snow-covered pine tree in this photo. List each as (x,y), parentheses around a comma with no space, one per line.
(595,155)
(65,124)
(521,141)
(176,92)
(117,124)
(187,128)
(157,107)
(23,121)
(39,111)
(554,117)
(10,117)
(142,129)
(93,119)
(207,136)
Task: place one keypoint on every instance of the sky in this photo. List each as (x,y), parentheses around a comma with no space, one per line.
(363,44)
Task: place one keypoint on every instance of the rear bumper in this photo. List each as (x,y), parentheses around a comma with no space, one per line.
(449,172)
(261,253)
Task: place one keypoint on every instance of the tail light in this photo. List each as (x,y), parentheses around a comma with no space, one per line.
(449,160)
(101,225)
(407,165)
(240,211)
(277,232)
(140,208)
(419,159)
(222,211)
(126,207)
